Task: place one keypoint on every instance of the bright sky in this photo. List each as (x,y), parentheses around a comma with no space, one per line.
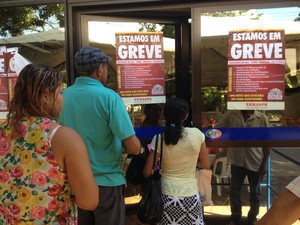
(282,15)
(279,18)
(96,30)
(289,13)
(275,14)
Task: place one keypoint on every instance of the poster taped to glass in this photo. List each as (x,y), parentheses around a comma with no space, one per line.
(140,67)
(256,69)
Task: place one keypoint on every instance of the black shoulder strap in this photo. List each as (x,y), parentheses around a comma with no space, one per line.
(161,147)
(155,152)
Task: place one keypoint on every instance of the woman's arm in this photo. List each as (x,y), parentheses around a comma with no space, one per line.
(284,211)
(203,159)
(71,153)
(149,164)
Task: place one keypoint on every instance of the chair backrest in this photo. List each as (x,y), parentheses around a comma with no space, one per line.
(223,165)
(123,162)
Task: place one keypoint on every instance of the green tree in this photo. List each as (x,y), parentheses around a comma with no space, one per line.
(168,30)
(297,19)
(213,98)
(253,15)
(15,20)
(148,27)
(226,13)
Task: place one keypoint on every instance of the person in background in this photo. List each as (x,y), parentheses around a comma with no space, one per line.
(44,167)
(99,115)
(245,161)
(183,147)
(153,114)
(286,208)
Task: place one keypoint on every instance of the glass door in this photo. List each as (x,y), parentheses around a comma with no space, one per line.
(249,61)
(101,32)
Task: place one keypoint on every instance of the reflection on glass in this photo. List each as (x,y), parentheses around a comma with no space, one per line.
(102,36)
(215,27)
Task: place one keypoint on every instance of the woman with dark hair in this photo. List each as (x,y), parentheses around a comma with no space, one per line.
(153,115)
(183,149)
(44,167)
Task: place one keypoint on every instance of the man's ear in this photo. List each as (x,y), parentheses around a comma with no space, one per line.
(99,71)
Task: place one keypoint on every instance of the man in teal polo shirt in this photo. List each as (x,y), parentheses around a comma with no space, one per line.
(99,115)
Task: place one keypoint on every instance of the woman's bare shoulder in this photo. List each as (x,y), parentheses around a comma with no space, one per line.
(68,138)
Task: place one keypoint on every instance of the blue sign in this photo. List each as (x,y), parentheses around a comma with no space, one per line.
(253,133)
(234,134)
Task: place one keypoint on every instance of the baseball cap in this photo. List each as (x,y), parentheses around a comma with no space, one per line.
(88,59)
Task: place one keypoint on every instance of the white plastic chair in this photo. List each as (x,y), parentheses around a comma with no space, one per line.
(223,175)
(124,162)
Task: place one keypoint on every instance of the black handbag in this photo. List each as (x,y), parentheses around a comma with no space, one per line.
(151,205)
(134,173)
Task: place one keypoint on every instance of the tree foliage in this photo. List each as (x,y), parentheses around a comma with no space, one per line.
(226,13)
(297,19)
(148,27)
(168,30)
(15,21)
(213,98)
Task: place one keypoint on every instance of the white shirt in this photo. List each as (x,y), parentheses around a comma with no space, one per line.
(248,157)
(294,186)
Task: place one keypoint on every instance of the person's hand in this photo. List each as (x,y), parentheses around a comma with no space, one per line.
(263,169)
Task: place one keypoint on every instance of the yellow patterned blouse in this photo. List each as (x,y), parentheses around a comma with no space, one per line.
(179,163)
(33,188)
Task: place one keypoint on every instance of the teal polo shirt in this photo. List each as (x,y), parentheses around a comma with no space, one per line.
(99,115)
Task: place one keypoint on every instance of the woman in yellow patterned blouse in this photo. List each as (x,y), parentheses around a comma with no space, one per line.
(44,167)
(183,148)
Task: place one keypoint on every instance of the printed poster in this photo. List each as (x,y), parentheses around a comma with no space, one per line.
(4,98)
(140,67)
(256,70)
(8,77)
